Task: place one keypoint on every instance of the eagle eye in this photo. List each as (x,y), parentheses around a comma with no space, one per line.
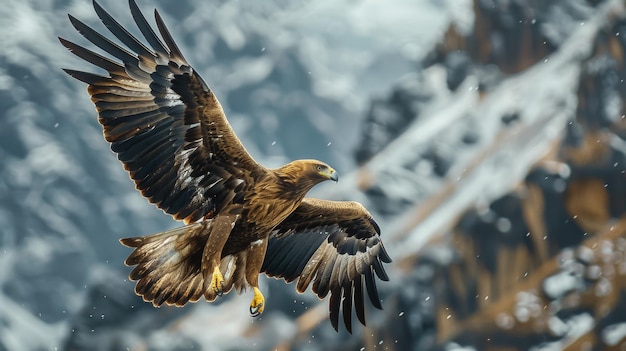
(319,167)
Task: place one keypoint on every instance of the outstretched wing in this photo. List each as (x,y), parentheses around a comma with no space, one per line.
(165,124)
(335,245)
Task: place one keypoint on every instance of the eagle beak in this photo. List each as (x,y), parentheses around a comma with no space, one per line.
(333,175)
(328,173)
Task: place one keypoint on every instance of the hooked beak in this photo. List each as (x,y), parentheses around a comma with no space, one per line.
(328,173)
(333,175)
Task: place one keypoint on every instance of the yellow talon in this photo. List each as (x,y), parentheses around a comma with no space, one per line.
(217,282)
(258,303)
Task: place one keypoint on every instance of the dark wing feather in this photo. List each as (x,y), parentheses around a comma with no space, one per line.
(165,124)
(334,245)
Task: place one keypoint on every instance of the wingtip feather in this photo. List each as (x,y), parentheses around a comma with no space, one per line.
(63,41)
(131,242)
(84,77)
(359,304)
(333,309)
(167,37)
(76,23)
(372,291)
(347,307)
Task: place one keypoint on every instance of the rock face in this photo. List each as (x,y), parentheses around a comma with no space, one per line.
(488,138)
(541,265)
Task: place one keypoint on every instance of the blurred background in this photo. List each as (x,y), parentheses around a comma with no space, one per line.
(487,137)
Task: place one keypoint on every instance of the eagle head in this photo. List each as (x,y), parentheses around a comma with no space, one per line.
(324,171)
(319,171)
(305,174)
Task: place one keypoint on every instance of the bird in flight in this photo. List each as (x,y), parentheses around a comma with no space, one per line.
(240,218)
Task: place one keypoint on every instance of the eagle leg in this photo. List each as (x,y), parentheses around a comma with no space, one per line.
(254,261)
(221,226)
(258,303)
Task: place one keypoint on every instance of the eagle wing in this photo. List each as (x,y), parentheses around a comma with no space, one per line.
(165,124)
(335,245)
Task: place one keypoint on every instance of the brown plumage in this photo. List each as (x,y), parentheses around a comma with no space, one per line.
(170,133)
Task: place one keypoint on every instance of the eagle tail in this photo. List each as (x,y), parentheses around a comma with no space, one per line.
(168,264)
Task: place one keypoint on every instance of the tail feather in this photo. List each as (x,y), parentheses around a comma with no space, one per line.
(168,264)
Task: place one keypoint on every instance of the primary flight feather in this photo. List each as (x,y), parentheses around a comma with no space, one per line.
(241,219)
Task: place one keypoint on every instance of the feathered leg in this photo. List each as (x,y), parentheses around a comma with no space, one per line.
(256,254)
(212,255)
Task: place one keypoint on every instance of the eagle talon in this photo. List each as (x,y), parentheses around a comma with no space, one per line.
(217,282)
(257,306)
(220,290)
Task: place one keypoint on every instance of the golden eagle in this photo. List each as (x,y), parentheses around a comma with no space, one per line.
(170,133)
